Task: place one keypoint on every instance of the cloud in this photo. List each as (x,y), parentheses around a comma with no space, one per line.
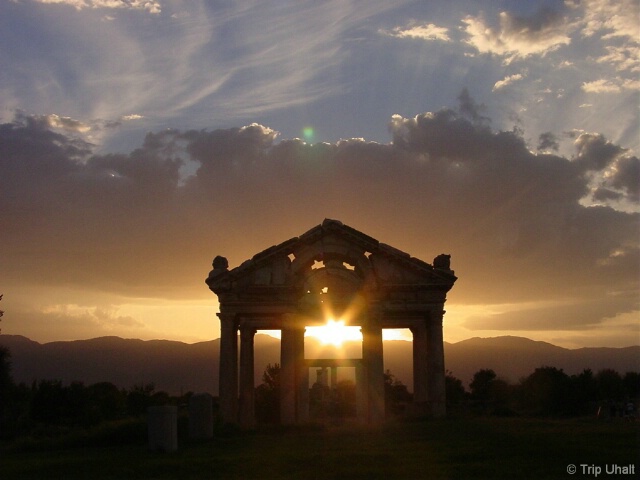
(517,36)
(610,18)
(147,223)
(613,85)
(623,58)
(574,315)
(625,176)
(620,177)
(147,5)
(615,22)
(507,81)
(65,123)
(426,31)
(54,321)
(548,141)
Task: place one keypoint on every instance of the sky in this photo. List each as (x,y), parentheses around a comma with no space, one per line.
(140,139)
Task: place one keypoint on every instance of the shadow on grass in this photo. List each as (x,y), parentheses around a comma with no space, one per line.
(448,448)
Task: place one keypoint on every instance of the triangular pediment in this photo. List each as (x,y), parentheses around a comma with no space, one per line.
(334,255)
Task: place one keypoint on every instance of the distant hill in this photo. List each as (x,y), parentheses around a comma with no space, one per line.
(179,367)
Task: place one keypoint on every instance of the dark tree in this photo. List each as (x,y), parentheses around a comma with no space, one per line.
(481,384)
(268,396)
(631,383)
(548,391)
(5,373)
(610,385)
(48,402)
(6,388)
(396,395)
(454,391)
(271,376)
(106,402)
(141,397)
(489,394)
(585,391)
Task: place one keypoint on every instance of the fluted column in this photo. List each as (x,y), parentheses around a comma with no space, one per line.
(435,374)
(302,376)
(228,378)
(362,397)
(247,382)
(287,372)
(420,367)
(374,367)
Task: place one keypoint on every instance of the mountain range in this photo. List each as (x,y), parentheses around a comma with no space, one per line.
(177,367)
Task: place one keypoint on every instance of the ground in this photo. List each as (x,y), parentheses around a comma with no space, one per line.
(451,448)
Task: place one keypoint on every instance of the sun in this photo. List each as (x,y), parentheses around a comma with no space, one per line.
(335,333)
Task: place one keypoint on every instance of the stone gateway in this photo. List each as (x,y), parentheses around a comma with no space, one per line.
(332,271)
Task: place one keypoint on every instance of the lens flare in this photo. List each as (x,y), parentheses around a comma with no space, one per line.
(308,134)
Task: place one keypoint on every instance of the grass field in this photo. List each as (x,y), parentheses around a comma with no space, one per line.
(453,448)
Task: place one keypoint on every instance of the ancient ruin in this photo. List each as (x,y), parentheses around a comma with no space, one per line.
(330,271)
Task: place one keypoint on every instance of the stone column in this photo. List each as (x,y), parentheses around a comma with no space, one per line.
(420,369)
(334,378)
(228,379)
(247,383)
(362,401)
(287,372)
(435,370)
(302,376)
(374,367)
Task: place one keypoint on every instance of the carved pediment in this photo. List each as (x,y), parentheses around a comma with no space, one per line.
(330,259)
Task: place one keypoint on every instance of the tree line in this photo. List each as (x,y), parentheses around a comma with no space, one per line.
(548,391)
(25,409)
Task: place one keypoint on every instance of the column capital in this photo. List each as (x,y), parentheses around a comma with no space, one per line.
(436,315)
(418,324)
(247,328)
(291,321)
(373,321)
(227,318)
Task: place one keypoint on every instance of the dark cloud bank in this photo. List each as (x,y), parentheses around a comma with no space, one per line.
(149,222)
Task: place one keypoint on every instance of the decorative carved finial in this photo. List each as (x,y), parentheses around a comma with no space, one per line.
(442,262)
(220,266)
(220,263)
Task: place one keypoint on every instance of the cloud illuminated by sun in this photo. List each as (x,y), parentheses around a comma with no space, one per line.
(335,333)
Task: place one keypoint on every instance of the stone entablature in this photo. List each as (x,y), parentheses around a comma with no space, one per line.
(331,270)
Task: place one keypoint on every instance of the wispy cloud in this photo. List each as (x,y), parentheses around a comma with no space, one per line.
(427,31)
(613,85)
(505,82)
(150,6)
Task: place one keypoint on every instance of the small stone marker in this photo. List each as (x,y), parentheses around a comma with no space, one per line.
(162,423)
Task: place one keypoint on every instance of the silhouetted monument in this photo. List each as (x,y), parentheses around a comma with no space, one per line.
(331,271)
